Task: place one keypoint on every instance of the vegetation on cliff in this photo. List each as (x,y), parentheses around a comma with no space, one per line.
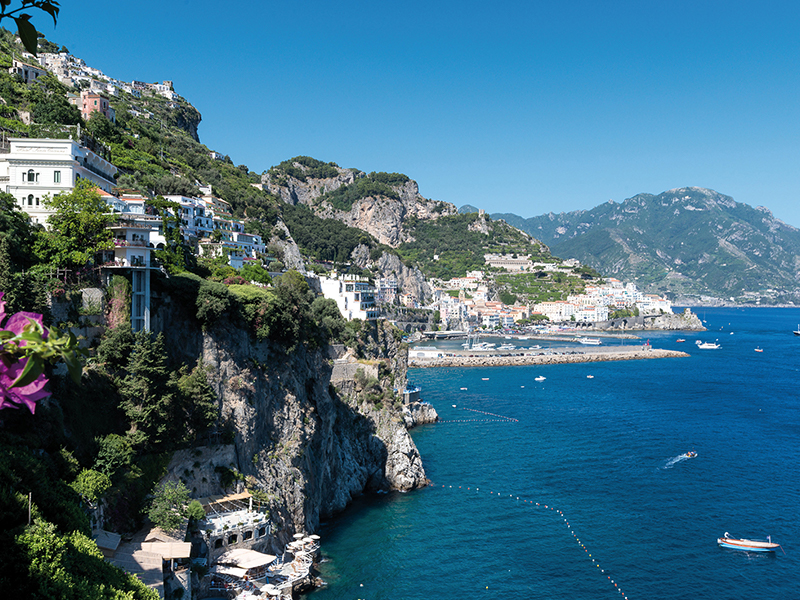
(452,245)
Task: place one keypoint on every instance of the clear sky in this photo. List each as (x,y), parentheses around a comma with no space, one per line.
(512,106)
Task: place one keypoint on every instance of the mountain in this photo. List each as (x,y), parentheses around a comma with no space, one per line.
(692,243)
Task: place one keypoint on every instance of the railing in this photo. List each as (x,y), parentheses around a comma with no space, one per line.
(137,243)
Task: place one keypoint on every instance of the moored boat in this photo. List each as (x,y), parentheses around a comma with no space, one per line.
(587,341)
(749,545)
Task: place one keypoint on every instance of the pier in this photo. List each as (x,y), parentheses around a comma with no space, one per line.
(553,356)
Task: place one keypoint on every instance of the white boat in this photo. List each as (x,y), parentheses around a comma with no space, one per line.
(587,341)
(506,347)
(540,378)
(748,545)
(797,331)
(708,346)
(590,377)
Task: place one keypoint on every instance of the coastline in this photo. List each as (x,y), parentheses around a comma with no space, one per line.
(583,356)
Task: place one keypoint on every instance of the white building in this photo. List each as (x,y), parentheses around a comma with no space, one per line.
(37,167)
(353,295)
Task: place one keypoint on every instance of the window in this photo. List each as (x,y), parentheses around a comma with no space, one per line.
(37,202)
(56,176)
(30,200)
(31,176)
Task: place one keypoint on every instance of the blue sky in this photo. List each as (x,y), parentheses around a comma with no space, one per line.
(524,107)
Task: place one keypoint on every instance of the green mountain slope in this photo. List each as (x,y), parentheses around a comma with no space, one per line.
(689,242)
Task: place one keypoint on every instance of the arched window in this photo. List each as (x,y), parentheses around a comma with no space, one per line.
(31,176)
(30,200)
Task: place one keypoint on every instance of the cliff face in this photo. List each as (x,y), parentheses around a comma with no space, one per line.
(381,216)
(299,439)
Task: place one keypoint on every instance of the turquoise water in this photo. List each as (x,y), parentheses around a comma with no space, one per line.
(606,453)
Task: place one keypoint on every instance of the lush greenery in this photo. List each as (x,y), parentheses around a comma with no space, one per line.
(324,239)
(459,244)
(540,286)
(303,168)
(374,185)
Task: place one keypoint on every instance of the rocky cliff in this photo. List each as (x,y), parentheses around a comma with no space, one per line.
(309,445)
(380,215)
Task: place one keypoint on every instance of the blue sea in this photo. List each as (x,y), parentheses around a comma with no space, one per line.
(621,512)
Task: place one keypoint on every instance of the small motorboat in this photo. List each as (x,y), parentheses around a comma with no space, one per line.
(679,340)
(590,377)
(691,454)
(759,350)
(540,378)
(749,545)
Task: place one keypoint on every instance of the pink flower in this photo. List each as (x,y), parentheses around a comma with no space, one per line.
(27,395)
(11,369)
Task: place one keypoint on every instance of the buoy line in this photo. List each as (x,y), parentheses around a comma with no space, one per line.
(555,510)
(475,420)
(483,412)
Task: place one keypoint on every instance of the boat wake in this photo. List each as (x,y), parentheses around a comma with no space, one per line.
(674,460)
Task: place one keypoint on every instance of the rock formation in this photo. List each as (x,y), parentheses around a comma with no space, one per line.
(308,444)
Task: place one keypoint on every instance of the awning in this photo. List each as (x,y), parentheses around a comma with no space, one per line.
(226,570)
(245,559)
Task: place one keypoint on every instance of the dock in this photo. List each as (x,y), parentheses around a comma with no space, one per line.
(544,357)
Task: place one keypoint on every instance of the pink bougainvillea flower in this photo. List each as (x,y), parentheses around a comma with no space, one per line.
(10,369)
(17,322)
(26,395)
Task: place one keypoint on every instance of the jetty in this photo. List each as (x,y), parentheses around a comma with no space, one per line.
(544,357)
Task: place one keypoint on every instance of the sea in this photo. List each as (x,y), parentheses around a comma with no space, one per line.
(579,487)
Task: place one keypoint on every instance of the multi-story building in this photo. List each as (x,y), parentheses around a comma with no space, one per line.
(353,295)
(91,101)
(35,168)
(27,72)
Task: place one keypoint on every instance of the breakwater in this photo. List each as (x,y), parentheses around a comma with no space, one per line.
(553,358)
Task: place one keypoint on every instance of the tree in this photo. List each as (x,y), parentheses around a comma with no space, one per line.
(91,484)
(170,505)
(15,229)
(146,394)
(77,228)
(255,272)
(195,511)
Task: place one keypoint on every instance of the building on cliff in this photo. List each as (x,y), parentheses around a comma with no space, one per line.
(354,295)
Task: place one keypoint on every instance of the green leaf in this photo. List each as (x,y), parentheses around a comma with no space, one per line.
(50,7)
(33,368)
(73,366)
(27,33)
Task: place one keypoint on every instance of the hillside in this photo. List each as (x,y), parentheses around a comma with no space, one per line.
(692,243)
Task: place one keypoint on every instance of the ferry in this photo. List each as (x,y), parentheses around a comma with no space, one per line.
(587,341)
